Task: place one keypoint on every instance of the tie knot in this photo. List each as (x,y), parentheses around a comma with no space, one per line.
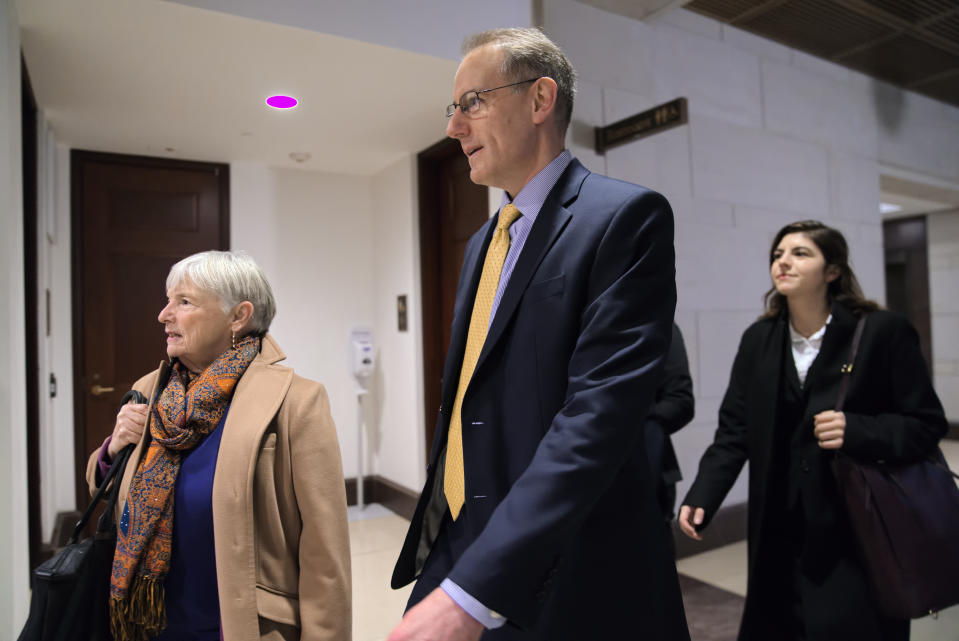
(507,216)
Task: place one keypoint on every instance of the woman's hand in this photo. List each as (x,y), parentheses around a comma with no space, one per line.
(131,421)
(830,426)
(697,514)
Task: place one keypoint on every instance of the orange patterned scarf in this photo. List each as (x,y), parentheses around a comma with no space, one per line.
(186,411)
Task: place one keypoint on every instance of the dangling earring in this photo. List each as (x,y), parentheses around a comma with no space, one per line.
(233,339)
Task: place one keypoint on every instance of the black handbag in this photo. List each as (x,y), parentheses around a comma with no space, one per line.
(71,590)
(906,521)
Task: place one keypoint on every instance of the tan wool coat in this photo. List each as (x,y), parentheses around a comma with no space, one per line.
(279,507)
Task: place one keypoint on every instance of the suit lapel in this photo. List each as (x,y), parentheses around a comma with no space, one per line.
(462,311)
(550,222)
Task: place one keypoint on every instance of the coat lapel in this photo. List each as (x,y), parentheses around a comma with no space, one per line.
(256,400)
(766,394)
(825,372)
(258,395)
(789,364)
(550,222)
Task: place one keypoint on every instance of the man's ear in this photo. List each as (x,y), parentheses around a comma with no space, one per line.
(240,317)
(545,92)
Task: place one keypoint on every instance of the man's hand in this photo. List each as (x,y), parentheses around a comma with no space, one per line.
(437,618)
(830,427)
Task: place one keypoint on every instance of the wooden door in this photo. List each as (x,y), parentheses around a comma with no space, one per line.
(134,217)
(452,208)
(907,276)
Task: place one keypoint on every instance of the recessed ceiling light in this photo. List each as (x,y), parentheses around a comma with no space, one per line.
(300,156)
(281,102)
(888,208)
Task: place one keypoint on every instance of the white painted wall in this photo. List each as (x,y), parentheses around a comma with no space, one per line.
(774,136)
(943,234)
(14,573)
(396,439)
(312,234)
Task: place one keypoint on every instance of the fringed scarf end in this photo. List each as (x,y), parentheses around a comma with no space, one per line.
(143,614)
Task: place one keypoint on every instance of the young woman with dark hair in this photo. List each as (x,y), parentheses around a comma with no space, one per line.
(805,580)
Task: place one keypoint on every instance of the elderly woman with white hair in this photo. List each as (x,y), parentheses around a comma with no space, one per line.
(231,514)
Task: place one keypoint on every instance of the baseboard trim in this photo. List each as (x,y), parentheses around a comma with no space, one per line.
(728,526)
(390,495)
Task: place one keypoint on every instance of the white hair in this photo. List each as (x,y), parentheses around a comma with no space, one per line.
(234,277)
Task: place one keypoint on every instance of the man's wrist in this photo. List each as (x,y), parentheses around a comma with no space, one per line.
(487,618)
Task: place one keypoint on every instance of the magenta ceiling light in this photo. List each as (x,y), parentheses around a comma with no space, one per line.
(281,102)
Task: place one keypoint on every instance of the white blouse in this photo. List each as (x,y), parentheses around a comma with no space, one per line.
(805,349)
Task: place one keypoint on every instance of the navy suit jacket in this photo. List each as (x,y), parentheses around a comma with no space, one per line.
(564,535)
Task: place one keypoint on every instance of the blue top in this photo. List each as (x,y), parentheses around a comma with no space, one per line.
(192,600)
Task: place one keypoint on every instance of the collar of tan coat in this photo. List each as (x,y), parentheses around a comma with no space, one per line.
(249,417)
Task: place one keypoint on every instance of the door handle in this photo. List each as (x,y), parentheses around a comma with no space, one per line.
(96,390)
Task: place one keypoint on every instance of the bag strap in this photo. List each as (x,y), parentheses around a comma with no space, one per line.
(940,461)
(106,524)
(116,471)
(847,366)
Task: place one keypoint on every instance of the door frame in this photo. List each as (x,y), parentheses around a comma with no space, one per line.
(28,119)
(429,162)
(79,157)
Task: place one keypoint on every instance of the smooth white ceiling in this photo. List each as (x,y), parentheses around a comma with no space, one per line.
(145,76)
(433,27)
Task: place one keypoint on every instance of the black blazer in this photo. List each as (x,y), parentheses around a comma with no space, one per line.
(673,408)
(566,538)
(892,414)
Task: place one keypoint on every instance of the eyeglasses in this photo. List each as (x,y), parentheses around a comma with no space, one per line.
(470,101)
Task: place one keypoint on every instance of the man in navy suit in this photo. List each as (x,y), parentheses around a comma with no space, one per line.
(539,518)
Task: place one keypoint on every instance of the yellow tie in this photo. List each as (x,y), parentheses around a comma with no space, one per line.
(454,481)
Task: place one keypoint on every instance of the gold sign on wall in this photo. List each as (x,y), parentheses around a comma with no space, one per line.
(652,121)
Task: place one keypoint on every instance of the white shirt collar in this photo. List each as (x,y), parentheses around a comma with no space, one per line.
(815,340)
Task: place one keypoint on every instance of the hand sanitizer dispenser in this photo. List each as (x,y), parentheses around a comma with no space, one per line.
(362,362)
(362,358)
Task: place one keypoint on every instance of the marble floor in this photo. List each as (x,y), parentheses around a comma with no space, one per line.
(377,533)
